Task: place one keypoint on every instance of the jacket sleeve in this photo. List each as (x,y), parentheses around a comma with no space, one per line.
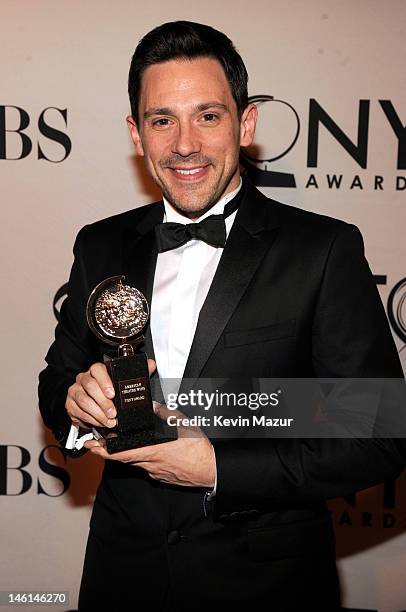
(351,338)
(72,351)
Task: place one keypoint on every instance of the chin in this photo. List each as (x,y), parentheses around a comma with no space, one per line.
(194,205)
(189,210)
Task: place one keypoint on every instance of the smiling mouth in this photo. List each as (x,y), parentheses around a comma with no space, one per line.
(189,173)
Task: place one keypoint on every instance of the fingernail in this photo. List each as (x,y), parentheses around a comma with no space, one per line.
(111,412)
(109,391)
(111,423)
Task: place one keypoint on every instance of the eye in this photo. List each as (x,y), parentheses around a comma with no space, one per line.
(161,123)
(209,117)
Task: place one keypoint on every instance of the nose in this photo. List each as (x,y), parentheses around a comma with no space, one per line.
(186,141)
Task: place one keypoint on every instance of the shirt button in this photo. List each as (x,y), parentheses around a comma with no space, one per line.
(174,537)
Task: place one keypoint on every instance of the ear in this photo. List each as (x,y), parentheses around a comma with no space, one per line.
(247,125)
(135,136)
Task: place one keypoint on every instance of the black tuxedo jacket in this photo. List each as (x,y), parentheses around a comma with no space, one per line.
(293,296)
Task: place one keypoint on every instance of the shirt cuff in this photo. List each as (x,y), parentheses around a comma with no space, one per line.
(77,437)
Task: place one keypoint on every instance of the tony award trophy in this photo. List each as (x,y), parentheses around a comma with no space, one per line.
(117,314)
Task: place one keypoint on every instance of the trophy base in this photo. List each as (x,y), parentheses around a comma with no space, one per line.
(137,424)
(116,442)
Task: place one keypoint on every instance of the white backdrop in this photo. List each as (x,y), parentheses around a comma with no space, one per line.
(74,56)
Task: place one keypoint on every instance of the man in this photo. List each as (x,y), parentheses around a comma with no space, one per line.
(289,295)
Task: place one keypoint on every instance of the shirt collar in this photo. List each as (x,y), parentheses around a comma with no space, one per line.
(173,216)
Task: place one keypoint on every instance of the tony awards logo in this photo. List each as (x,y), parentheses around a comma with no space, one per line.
(117,313)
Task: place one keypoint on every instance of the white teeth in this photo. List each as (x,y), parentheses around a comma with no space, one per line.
(193,171)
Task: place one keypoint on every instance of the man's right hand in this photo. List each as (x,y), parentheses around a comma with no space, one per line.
(89,400)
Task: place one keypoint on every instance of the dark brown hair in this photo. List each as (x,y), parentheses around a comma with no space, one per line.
(187,40)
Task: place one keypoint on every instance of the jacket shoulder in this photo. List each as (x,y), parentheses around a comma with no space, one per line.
(305,219)
(311,233)
(110,227)
(292,219)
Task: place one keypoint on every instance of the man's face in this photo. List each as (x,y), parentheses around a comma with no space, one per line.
(189,132)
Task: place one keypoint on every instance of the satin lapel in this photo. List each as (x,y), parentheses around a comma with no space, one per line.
(139,260)
(250,238)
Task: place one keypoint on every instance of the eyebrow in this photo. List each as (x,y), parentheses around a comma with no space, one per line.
(197,109)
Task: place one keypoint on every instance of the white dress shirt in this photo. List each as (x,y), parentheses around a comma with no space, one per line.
(182,280)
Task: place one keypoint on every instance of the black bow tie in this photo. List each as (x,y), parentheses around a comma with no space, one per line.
(211,230)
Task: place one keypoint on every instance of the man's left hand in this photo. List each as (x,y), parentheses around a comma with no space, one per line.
(188,461)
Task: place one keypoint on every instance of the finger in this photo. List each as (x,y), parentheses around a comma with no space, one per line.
(159,410)
(100,451)
(135,455)
(151,366)
(100,374)
(150,474)
(85,420)
(124,456)
(164,412)
(92,444)
(80,423)
(183,428)
(81,406)
(93,389)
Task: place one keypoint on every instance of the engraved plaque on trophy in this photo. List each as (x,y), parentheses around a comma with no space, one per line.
(117,313)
